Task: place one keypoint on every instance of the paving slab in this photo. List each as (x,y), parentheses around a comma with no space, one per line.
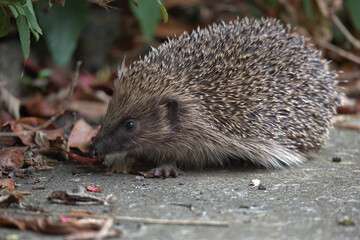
(305,202)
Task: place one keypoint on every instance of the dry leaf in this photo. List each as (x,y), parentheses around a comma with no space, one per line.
(81,135)
(81,198)
(7,199)
(41,140)
(28,123)
(90,109)
(38,106)
(12,157)
(82,159)
(10,103)
(7,183)
(79,227)
(4,116)
(35,159)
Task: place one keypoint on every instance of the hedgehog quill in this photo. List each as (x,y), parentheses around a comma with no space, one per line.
(250,89)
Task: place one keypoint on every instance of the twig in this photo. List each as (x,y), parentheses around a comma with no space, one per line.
(123,218)
(53,118)
(341,52)
(104,4)
(109,221)
(347,126)
(105,229)
(355,42)
(329,13)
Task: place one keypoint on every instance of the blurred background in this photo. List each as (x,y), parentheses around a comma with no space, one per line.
(101,33)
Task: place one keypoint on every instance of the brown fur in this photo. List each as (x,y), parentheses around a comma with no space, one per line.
(250,89)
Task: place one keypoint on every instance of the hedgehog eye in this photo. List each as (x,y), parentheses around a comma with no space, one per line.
(130,125)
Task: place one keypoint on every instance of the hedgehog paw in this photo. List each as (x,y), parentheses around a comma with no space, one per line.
(166,170)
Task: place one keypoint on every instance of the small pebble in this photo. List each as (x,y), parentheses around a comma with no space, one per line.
(140,178)
(75,172)
(75,180)
(255,182)
(31,170)
(337,159)
(261,187)
(244,206)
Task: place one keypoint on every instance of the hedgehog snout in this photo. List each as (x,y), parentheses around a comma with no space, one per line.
(94,152)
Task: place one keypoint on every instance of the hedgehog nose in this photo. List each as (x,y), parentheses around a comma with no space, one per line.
(94,152)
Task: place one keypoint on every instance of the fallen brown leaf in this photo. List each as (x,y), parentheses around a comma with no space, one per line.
(9,102)
(80,227)
(7,183)
(38,106)
(88,108)
(82,159)
(81,135)
(81,212)
(4,116)
(12,157)
(8,198)
(28,123)
(66,197)
(34,158)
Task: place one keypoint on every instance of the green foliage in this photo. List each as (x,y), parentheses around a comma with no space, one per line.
(272,3)
(45,73)
(309,12)
(24,33)
(4,22)
(62,27)
(163,11)
(353,6)
(25,20)
(149,15)
(338,36)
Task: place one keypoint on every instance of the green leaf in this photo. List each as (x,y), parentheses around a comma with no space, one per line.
(308,7)
(338,36)
(353,6)
(4,22)
(45,73)
(29,5)
(163,10)
(30,15)
(272,3)
(62,27)
(149,15)
(24,34)
(11,2)
(25,80)
(36,34)
(14,11)
(32,21)
(20,9)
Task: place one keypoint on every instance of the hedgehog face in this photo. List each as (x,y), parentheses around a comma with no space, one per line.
(135,128)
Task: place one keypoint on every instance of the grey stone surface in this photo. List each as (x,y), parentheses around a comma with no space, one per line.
(300,203)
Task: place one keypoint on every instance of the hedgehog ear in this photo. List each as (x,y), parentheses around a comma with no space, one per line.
(172,106)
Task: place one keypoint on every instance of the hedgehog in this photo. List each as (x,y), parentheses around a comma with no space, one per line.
(249,89)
